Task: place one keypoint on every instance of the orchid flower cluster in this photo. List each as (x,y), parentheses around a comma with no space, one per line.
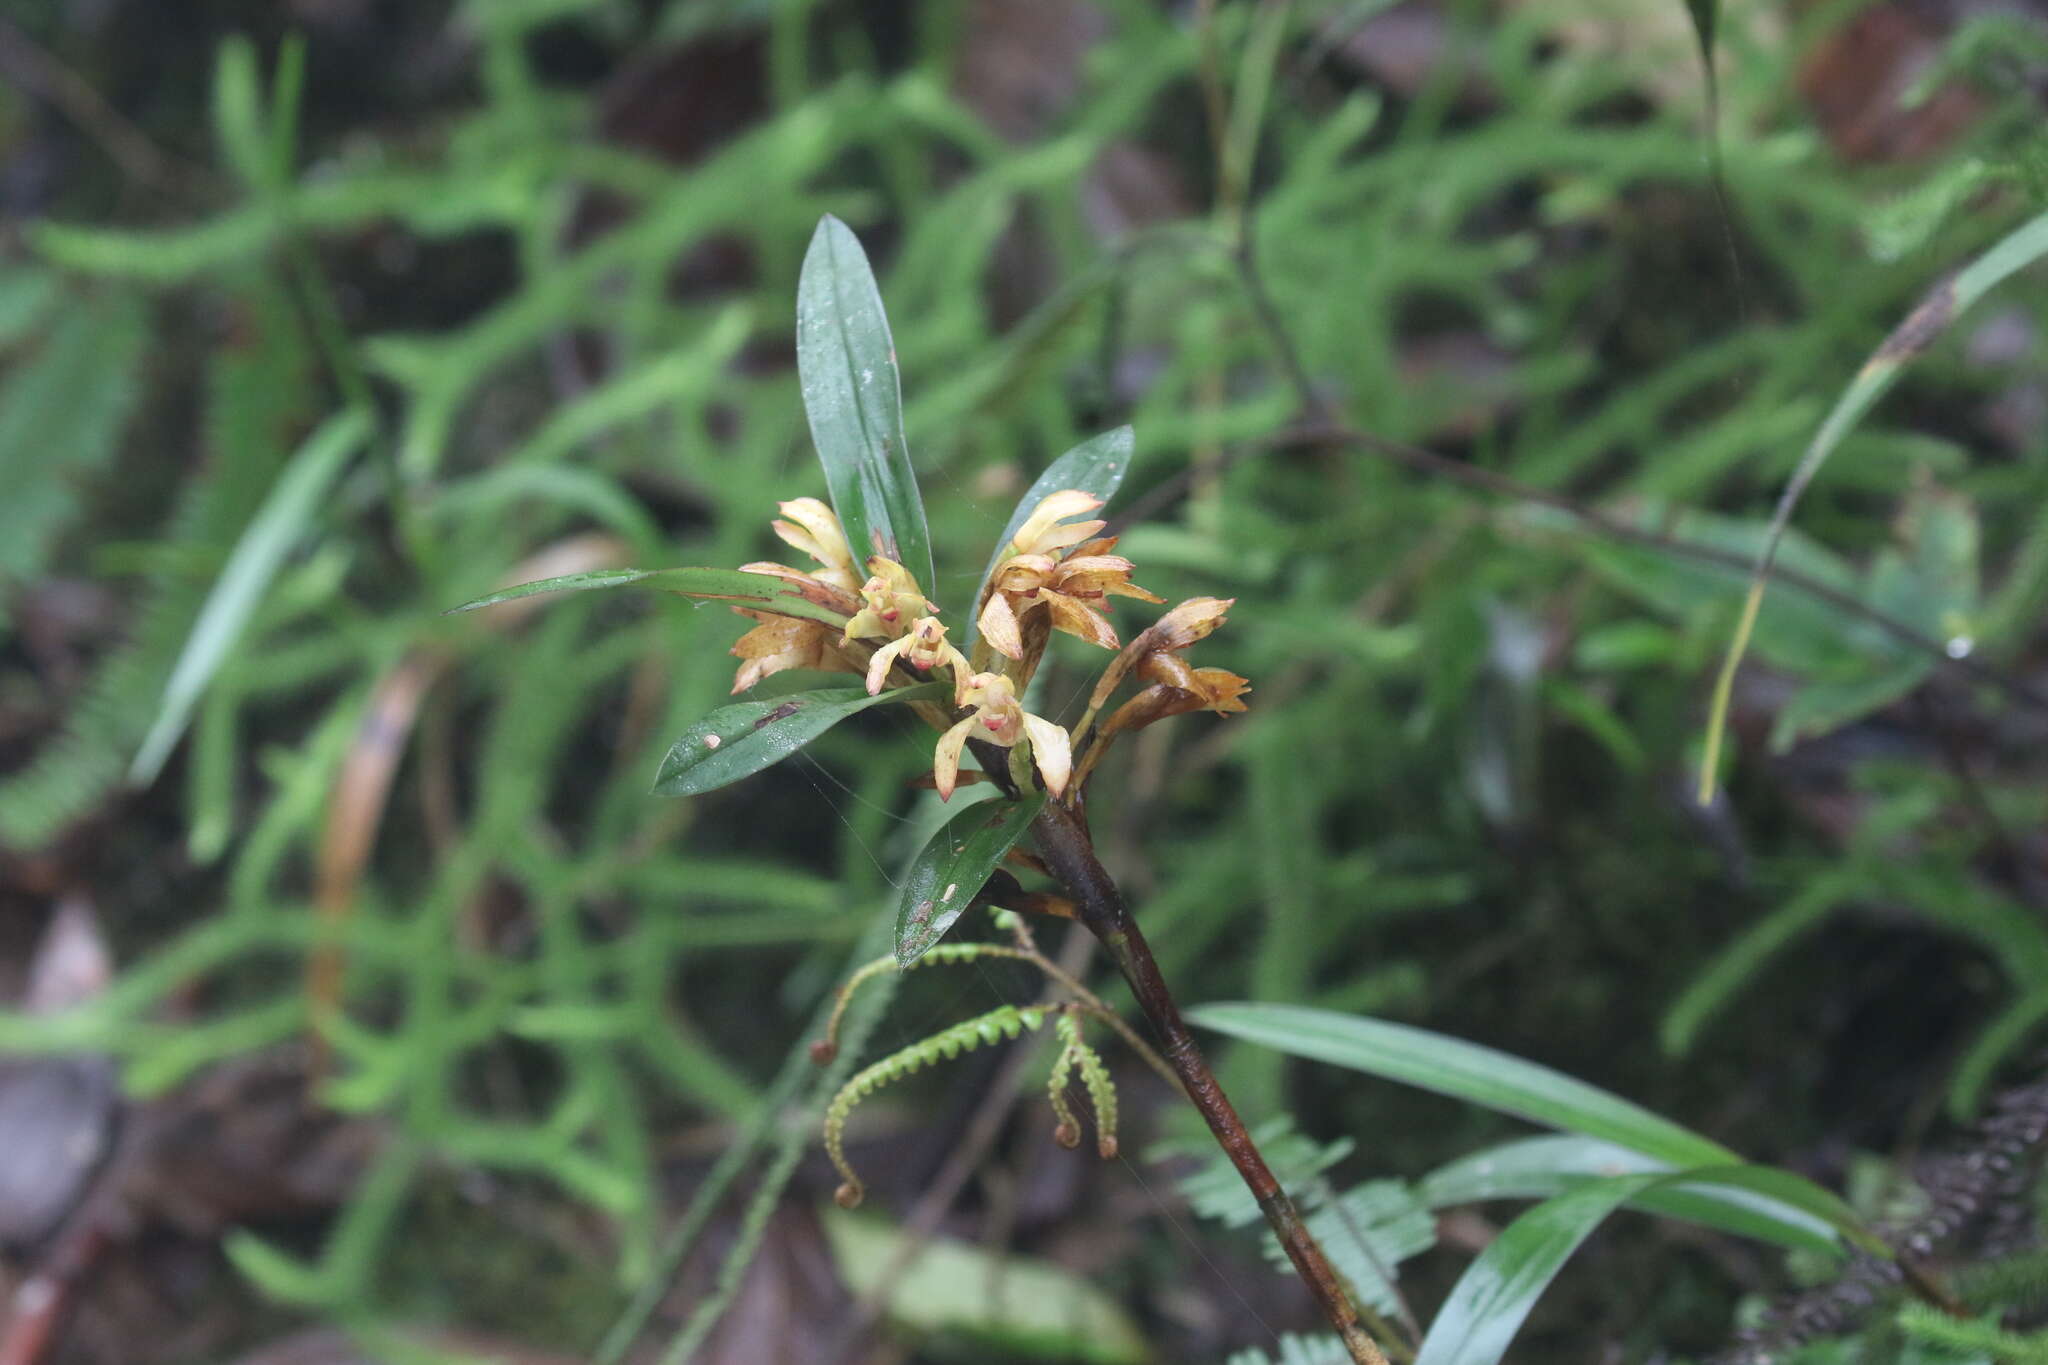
(1056,574)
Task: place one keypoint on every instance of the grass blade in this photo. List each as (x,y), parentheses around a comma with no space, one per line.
(853,397)
(1541,1167)
(270,536)
(1494,1295)
(1908,341)
(1496,1292)
(1462,1070)
(1509,1085)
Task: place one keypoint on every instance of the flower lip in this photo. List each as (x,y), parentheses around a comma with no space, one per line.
(924,647)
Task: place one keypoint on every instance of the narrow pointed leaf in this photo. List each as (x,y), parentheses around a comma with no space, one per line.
(1462,1070)
(1494,1295)
(760,591)
(1496,1292)
(1540,1167)
(951,870)
(853,397)
(1910,340)
(740,740)
(269,537)
(1480,1075)
(1096,466)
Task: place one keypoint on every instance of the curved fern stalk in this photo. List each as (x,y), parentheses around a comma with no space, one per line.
(1067,1131)
(1006,1022)
(826,1048)
(1095,1078)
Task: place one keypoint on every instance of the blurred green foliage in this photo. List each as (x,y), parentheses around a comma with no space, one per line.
(1458,798)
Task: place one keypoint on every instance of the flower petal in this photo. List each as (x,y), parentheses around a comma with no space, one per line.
(1222,691)
(1051,751)
(1041,530)
(878,667)
(1023,573)
(962,670)
(946,759)
(1195,619)
(1077,620)
(814,528)
(999,627)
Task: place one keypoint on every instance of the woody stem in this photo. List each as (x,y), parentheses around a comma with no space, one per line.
(1064,842)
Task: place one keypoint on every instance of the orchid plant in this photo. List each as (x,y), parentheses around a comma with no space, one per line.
(861,608)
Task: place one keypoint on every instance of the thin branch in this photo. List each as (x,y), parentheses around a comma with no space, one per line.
(1327,427)
(28,64)
(1064,842)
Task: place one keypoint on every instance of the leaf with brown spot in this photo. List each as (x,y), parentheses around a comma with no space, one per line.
(740,740)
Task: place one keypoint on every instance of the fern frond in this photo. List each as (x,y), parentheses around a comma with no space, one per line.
(62,412)
(256,393)
(1008,1021)
(1095,1077)
(826,1048)
(1067,1130)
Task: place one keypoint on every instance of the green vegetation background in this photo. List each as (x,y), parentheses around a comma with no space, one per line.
(552,245)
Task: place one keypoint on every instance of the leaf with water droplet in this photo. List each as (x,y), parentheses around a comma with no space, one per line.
(846,362)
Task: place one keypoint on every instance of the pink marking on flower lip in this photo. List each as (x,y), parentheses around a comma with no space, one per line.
(920,665)
(891,614)
(992,722)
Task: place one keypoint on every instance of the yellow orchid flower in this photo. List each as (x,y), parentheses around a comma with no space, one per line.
(1000,720)
(893,603)
(1070,588)
(781,642)
(924,647)
(813,528)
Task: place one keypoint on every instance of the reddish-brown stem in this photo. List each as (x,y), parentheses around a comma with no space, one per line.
(1064,842)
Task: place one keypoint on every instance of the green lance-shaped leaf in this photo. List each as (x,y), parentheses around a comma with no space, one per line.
(270,536)
(951,870)
(1908,341)
(1540,1167)
(1494,1295)
(740,740)
(759,591)
(1496,1292)
(1462,1070)
(853,397)
(1096,466)
(1509,1085)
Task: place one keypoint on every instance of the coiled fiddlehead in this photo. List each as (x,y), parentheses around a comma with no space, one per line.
(1077,1055)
